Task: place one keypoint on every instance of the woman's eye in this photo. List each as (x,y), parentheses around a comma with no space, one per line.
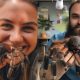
(28,29)
(6,26)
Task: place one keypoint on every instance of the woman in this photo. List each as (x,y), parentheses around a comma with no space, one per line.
(19,32)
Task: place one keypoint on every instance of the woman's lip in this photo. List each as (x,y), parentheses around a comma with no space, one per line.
(9,47)
(24,47)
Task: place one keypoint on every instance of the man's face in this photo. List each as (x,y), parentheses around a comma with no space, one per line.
(18,26)
(75,19)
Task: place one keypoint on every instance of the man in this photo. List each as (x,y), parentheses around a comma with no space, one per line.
(73,29)
(19,32)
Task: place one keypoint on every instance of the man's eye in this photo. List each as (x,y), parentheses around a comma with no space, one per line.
(28,29)
(6,26)
(75,16)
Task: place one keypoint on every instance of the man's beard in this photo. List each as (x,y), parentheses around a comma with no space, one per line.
(72,30)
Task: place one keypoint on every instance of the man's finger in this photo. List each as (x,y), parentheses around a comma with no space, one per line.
(68,57)
(59,46)
(64,51)
(77,57)
(71,61)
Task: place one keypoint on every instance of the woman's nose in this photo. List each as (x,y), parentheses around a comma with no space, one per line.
(16,38)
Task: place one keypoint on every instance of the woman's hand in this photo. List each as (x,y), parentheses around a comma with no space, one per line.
(12,58)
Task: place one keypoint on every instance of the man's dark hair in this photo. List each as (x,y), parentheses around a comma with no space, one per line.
(69,28)
(75,2)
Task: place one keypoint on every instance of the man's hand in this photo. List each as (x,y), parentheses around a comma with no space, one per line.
(63,50)
(68,58)
(77,59)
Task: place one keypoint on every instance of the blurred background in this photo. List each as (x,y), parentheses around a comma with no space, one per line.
(53,16)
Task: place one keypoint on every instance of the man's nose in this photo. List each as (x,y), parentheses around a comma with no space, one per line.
(16,38)
(79,21)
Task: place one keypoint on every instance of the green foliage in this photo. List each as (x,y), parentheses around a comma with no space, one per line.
(65,19)
(44,24)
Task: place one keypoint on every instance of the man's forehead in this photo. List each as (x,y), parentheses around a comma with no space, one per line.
(76,8)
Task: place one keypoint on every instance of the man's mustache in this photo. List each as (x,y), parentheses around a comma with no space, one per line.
(76,27)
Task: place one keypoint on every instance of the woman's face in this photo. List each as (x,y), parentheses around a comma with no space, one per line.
(18,26)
